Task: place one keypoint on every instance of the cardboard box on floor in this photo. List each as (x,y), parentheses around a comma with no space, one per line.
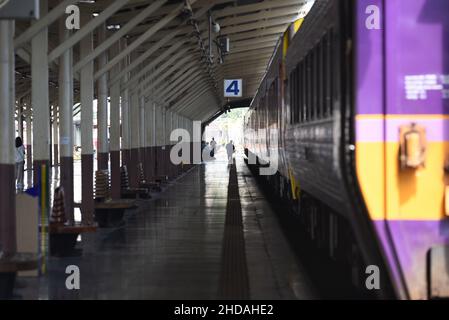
(27,227)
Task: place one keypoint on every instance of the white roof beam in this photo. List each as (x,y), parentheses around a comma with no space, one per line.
(136,43)
(163,75)
(136,62)
(136,81)
(120,33)
(43,22)
(155,62)
(230,11)
(187,90)
(88,28)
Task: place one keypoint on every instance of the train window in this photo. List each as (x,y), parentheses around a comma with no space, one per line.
(292,92)
(315,83)
(270,105)
(331,73)
(273,105)
(312,84)
(299,91)
(303,91)
(293,98)
(276,100)
(309,87)
(324,72)
(262,113)
(320,80)
(297,94)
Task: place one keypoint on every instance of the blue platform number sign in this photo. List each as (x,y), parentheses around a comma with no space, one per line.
(233,88)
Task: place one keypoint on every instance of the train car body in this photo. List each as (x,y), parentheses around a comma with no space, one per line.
(354,111)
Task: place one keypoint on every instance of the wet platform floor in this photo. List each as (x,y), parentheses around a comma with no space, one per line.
(172,247)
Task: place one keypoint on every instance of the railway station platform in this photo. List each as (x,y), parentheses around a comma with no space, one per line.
(210,235)
(340,187)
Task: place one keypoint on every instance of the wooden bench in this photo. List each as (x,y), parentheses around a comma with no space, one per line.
(9,266)
(110,213)
(131,193)
(63,233)
(135,193)
(153,186)
(63,237)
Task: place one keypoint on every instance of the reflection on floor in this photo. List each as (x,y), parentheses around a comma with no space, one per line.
(171,247)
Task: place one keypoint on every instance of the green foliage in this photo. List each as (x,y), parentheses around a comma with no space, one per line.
(235,114)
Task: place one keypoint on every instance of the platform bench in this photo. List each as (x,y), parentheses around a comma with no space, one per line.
(110,213)
(9,266)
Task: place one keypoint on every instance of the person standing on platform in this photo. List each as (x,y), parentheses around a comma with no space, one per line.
(213,145)
(20,163)
(230,150)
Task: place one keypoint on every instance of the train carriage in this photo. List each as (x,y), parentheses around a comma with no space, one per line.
(354,111)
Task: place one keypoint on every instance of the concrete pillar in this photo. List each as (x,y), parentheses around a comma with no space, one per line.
(102,116)
(174,125)
(159,140)
(142,136)
(164,142)
(66,123)
(29,142)
(20,119)
(125,113)
(87,150)
(55,136)
(148,143)
(40,99)
(196,143)
(134,111)
(115,129)
(7,123)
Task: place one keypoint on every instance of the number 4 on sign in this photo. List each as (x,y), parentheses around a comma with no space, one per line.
(233,88)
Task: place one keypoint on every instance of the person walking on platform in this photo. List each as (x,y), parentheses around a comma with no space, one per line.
(20,163)
(213,145)
(230,150)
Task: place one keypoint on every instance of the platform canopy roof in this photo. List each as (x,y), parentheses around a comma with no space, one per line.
(167,47)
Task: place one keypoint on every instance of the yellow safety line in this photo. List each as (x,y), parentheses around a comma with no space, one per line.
(43,212)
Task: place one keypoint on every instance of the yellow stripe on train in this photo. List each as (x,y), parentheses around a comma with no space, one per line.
(394,194)
(289,34)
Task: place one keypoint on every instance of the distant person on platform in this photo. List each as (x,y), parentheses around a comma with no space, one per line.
(20,163)
(213,145)
(230,150)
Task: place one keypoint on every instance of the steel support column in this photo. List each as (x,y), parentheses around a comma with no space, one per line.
(102,108)
(115,130)
(160,140)
(55,137)
(135,142)
(40,99)
(7,161)
(29,142)
(142,126)
(87,150)
(149,129)
(168,129)
(125,113)
(66,123)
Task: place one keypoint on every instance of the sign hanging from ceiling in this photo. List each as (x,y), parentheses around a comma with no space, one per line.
(233,88)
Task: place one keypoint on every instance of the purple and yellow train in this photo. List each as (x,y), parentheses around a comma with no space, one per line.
(354,111)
